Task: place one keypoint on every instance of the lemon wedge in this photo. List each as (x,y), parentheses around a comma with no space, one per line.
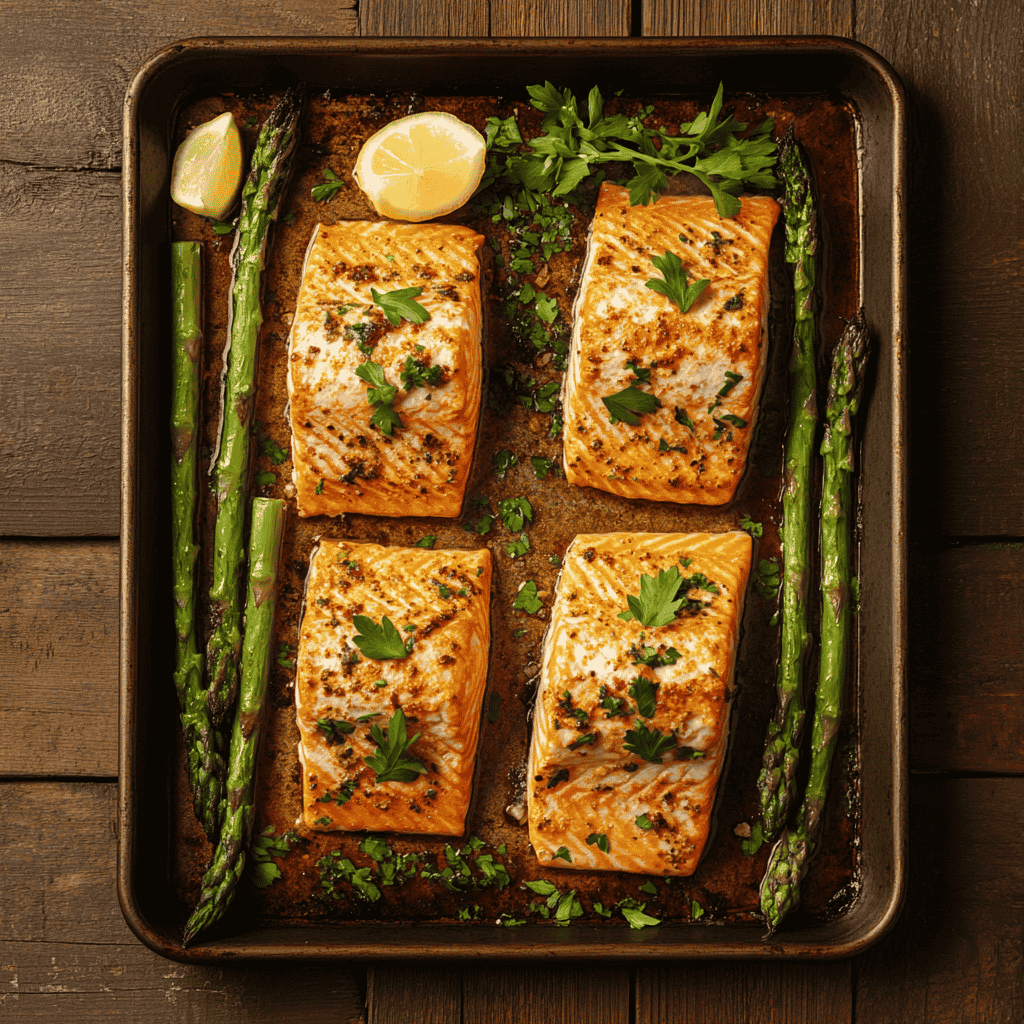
(207,170)
(422,166)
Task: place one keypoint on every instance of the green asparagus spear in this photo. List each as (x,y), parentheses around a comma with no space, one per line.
(780,890)
(205,764)
(777,779)
(236,825)
(261,198)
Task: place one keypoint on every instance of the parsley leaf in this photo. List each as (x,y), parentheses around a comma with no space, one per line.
(637,918)
(650,744)
(600,840)
(401,304)
(427,541)
(519,546)
(266,846)
(642,375)
(644,822)
(332,185)
(515,513)
(335,729)
(674,285)
(657,604)
(766,579)
(696,910)
(380,642)
(755,842)
(562,853)
(503,462)
(541,886)
(527,599)
(645,693)
(391,762)
(627,405)
(541,466)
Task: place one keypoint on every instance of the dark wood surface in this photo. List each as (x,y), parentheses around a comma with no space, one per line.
(65,952)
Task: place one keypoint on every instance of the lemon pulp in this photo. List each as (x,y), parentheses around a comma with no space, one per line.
(207,172)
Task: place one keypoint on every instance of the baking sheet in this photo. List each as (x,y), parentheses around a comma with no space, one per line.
(292,916)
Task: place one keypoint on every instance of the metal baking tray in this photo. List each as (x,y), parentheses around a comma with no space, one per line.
(152,837)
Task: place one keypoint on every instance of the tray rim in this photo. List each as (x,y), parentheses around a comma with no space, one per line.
(431,944)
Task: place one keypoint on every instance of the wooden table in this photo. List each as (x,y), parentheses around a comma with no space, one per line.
(65,951)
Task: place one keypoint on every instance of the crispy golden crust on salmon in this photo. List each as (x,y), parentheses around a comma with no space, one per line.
(342,463)
(694,448)
(583,782)
(442,600)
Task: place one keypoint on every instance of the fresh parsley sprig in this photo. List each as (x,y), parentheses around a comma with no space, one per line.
(650,744)
(381,396)
(380,642)
(572,146)
(419,375)
(662,597)
(392,762)
(674,286)
(400,305)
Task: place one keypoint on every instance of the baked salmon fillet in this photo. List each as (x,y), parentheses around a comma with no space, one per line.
(343,462)
(631,721)
(705,367)
(431,664)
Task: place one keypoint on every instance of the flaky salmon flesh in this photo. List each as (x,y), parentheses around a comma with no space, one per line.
(439,600)
(631,722)
(706,366)
(342,462)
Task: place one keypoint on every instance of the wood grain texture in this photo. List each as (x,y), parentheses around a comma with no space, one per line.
(956,954)
(747,18)
(448,18)
(60,303)
(967,658)
(962,64)
(589,18)
(498,994)
(58,666)
(66,953)
(69,63)
(751,993)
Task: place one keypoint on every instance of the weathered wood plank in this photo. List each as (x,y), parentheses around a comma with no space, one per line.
(499,995)
(60,376)
(413,995)
(590,18)
(962,64)
(66,953)
(753,993)
(967,658)
(424,18)
(956,954)
(69,63)
(58,667)
(747,18)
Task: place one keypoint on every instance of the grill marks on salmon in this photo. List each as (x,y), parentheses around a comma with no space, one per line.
(582,780)
(440,686)
(619,320)
(341,462)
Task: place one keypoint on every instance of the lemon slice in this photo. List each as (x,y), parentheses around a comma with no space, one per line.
(422,166)
(207,170)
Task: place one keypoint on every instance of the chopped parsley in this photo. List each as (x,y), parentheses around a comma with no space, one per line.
(644,822)
(266,479)
(766,579)
(418,375)
(636,917)
(335,729)
(755,842)
(562,775)
(265,847)
(283,650)
(649,655)
(600,840)
(562,853)
(427,541)
(754,529)
(582,741)
(541,466)
(519,546)
(696,910)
